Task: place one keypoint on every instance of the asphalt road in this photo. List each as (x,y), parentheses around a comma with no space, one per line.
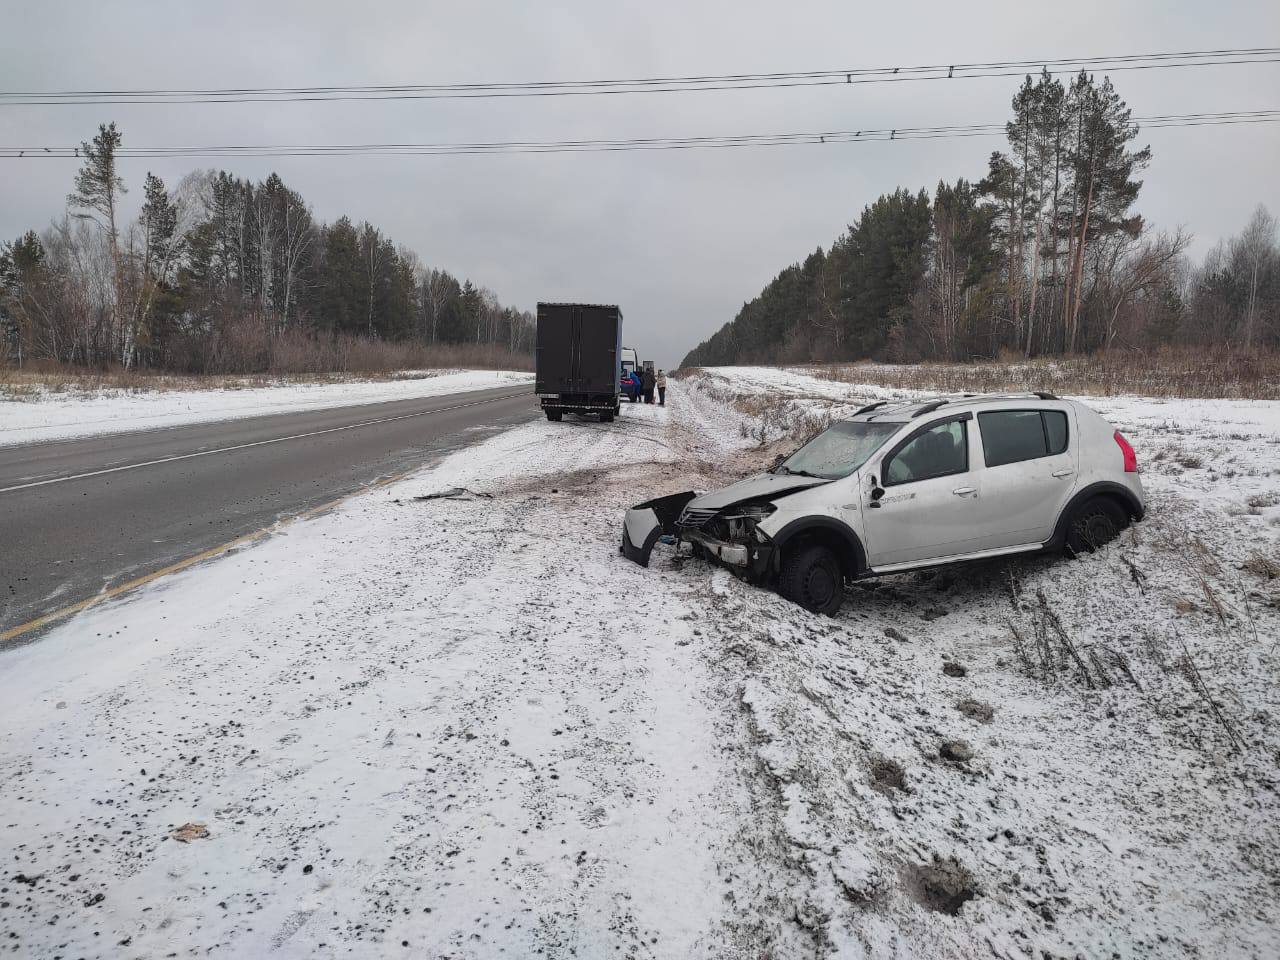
(125,505)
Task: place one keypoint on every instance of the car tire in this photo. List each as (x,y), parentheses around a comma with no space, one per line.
(811,578)
(1094,524)
(555,415)
(606,418)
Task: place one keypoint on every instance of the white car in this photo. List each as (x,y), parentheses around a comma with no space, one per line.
(900,487)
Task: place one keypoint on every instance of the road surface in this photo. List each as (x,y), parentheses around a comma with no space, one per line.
(81,516)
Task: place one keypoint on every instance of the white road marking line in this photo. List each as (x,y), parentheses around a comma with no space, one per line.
(245,446)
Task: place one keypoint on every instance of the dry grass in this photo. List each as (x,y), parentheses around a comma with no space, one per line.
(1186,667)
(768,417)
(1262,566)
(291,363)
(1170,373)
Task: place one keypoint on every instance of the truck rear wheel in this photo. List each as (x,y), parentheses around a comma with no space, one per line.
(555,415)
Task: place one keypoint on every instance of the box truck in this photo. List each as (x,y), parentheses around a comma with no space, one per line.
(577,359)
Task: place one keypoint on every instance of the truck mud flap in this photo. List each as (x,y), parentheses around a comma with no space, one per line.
(644,523)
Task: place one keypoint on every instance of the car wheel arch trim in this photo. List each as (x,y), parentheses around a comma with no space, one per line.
(843,532)
(1102,488)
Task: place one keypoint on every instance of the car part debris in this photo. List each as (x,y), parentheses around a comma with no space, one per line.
(455,493)
(646,522)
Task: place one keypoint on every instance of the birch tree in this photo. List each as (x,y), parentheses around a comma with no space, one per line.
(96,197)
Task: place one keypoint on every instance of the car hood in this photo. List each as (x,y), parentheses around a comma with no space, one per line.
(763,486)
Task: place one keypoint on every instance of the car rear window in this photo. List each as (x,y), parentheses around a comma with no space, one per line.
(1055,430)
(1011,436)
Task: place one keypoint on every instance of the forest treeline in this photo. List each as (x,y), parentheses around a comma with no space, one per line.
(222,275)
(1044,255)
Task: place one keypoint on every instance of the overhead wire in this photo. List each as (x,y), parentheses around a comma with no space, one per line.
(881,134)
(670,84)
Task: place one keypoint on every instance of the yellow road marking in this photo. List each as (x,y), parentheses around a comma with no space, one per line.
(48,618)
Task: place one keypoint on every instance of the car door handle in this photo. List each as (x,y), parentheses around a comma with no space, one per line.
(1059,474)
(965,491)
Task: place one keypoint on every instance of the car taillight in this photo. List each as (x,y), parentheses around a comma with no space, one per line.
(1130,458)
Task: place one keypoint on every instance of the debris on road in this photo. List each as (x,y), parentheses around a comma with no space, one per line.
(455,493)
(190,831)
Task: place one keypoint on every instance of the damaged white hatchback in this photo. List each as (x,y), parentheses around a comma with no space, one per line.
(907,486)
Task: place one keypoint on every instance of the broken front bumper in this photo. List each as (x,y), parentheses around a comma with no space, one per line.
(754,560)
(646,522)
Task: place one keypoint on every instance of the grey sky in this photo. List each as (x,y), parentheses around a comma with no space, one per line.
(680,239)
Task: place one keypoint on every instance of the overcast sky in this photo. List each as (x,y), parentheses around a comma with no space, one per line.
(680,239)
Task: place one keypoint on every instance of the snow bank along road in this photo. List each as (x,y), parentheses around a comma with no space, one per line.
(465,727)
(80,516)
(56,415)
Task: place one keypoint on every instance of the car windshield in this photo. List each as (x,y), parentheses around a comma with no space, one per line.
(839,450)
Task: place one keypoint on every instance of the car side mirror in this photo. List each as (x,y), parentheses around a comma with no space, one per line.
(876,491)
(777,461)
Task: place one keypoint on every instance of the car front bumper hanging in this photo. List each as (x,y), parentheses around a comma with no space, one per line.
(646,522)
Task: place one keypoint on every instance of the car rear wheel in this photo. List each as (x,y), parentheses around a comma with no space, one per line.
(606,418)
(1093,525)
(555,415)
(811,578)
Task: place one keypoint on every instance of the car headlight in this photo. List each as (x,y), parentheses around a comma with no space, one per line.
(754,512)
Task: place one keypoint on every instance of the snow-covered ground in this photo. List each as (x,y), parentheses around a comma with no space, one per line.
(466,727)
(58,416)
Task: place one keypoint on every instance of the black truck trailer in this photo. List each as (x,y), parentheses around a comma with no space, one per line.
(577,359)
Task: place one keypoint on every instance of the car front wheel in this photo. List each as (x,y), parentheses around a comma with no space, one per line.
(811,578)
(1093,525)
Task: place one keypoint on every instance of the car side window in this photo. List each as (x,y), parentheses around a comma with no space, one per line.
(938,452)
(1011,436)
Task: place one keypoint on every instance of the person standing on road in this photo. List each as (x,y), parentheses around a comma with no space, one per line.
(648,384)
(661,381)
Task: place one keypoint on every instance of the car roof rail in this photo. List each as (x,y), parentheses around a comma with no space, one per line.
(870,406)
(929,408)
(1044,395)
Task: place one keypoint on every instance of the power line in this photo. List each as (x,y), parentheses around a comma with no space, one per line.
(686,84)
(869,135)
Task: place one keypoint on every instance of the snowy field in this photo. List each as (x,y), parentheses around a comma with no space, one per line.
(466,727)
(58,416)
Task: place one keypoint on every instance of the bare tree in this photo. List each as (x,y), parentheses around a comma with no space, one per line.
(1252,251)
(1138,268)
(435,294)
(373,254)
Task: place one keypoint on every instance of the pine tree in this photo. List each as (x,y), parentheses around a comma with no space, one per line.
(160,250)
(21,272)
(1103,169)
(96,195)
